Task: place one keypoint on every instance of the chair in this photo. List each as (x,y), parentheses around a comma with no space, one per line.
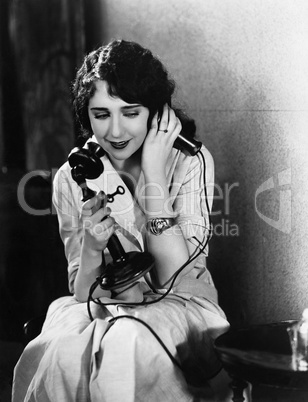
(33,328)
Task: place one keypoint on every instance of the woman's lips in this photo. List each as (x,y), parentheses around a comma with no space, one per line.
(119,145)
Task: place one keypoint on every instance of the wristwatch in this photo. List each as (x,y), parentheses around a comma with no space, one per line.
(157,225)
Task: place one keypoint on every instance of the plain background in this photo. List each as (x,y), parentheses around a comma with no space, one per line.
(241,69)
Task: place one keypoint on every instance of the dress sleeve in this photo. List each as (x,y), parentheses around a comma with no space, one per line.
(67,201)
(194,200)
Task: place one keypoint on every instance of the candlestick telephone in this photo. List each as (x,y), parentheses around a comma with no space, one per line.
(126,267)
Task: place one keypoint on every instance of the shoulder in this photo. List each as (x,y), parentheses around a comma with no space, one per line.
(63,181)
(206,159)
(206,155)
(195,162)
(63,173)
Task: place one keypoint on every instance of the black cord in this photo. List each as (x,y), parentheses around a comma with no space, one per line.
(205,193)
(91,291)
(114,319)
(189,260)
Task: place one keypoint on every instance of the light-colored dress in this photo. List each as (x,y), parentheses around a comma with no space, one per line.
(76,359)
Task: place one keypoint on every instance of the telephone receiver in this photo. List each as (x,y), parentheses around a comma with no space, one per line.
(125,268)
(189,146)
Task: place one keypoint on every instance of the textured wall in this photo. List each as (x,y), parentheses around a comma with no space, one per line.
(241,69)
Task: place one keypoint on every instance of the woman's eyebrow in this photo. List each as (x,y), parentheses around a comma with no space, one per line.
(122,108)
(131,106)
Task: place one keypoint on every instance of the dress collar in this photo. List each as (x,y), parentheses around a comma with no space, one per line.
(125,209)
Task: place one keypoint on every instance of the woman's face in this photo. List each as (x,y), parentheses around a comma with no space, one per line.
(119,127)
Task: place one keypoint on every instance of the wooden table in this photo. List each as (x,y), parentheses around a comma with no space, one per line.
(260,354)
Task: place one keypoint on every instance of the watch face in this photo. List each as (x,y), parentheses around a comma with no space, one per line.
(157,225)
(160,224)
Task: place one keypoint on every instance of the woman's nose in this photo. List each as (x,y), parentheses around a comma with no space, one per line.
(115,128)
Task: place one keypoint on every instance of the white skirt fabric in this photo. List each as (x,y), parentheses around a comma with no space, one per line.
(75,359)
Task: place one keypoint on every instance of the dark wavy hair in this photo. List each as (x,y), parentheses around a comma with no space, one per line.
(132,74)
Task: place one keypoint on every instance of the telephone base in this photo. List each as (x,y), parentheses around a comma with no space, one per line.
(129,269)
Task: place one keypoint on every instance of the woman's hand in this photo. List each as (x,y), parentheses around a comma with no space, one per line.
(99,226)
(159,142)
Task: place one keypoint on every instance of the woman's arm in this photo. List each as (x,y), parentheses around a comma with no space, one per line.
(170,248)
(78,233)
(98,227)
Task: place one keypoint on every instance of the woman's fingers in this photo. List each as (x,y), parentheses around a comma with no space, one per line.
(164,119)
(174,123)
(154,126)
(102,229)
(160,138)
(97,222)
(169,121)
(99,216)
(98,234)
(96,216)
(94,204)
(173,127)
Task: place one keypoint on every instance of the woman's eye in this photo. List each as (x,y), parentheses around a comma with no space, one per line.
(131,114)
(101,116)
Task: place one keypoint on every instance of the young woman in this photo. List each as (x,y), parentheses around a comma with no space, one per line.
(122,98)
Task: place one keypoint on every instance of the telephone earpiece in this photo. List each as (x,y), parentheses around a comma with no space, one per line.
(126,268)
(86,161)
(189,146)
(86,164)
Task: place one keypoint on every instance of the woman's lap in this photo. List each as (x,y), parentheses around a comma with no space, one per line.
(76,359)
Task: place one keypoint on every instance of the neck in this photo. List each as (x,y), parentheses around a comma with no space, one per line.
(129,170)
(126,165)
